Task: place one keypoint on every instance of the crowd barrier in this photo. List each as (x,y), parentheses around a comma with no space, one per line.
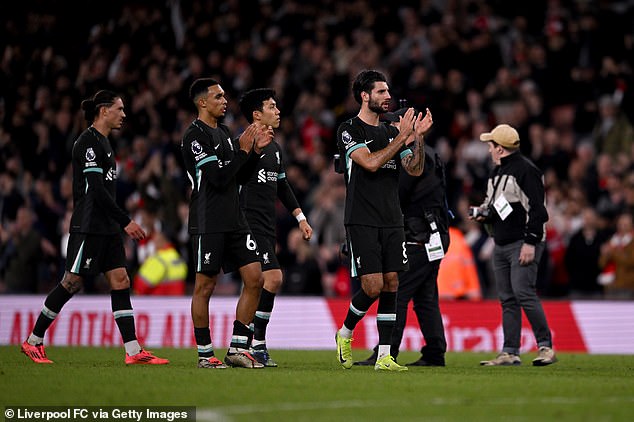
(596,327)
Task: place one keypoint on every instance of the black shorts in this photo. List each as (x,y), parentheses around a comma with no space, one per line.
(91,254)
(227,250)
(376,250)
(266,246)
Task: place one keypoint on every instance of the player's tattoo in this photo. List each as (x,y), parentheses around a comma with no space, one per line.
(72,283)
(415,162)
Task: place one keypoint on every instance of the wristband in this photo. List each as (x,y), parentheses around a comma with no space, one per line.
(300,217)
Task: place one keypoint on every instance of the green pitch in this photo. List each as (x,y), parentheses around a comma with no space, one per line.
(311,386)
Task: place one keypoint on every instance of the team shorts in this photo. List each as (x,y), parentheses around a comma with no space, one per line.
(376,250)
(227,250)
(91,254)
(266,247)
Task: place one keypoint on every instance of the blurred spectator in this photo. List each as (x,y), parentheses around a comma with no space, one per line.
(10,197)
(163,272)
(617,260)
(301,272)
(581,257)
(613,133)
(457,276)
(22,250)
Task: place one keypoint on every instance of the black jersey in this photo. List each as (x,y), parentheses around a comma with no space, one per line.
(371,197)
(213,162)
(427,191)
(267,183)
(423,200)
(95,210)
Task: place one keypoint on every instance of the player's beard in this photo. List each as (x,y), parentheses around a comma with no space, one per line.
(376,107)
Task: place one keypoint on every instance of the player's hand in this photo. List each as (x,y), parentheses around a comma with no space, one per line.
(423,124)
(406,122)
(307,231)
(247,139)
(264,136)
(135,231)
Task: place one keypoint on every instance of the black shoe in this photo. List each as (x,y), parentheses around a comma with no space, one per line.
(423,362)
(368,362)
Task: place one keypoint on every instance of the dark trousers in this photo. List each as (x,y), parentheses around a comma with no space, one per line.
(419,285)
(516,290)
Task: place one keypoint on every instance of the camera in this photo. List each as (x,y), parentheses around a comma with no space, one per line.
(394,116)
(478,212)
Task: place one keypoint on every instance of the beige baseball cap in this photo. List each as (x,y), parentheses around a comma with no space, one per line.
(503,135)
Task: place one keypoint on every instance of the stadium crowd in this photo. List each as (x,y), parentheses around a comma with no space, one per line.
(559,71)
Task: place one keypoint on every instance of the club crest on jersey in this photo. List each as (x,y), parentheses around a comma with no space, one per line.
(277,155)
(88,262)
(90,155)
(265,258)
(196,148)
(358,262)
(207,260)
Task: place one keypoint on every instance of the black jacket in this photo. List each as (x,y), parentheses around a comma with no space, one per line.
(522,184)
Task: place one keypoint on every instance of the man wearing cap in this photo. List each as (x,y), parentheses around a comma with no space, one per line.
(516,214)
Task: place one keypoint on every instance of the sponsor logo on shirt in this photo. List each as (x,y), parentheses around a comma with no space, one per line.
(266,176)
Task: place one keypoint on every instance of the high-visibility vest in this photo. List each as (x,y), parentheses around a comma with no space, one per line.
(458,275)
(162,273)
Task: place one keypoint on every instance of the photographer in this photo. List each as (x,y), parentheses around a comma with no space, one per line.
(515,213)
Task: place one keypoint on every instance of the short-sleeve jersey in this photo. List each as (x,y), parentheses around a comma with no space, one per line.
(371,197)
(214,204)
(95,210)
(259,195)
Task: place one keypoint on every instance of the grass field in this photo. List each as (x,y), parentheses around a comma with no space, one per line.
(311,386)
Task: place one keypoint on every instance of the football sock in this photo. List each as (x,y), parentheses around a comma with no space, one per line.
(53,304)
(124,317)
(384,350)
(203,342)
(385,321)
(241,337)
(359,305)
(262,315)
